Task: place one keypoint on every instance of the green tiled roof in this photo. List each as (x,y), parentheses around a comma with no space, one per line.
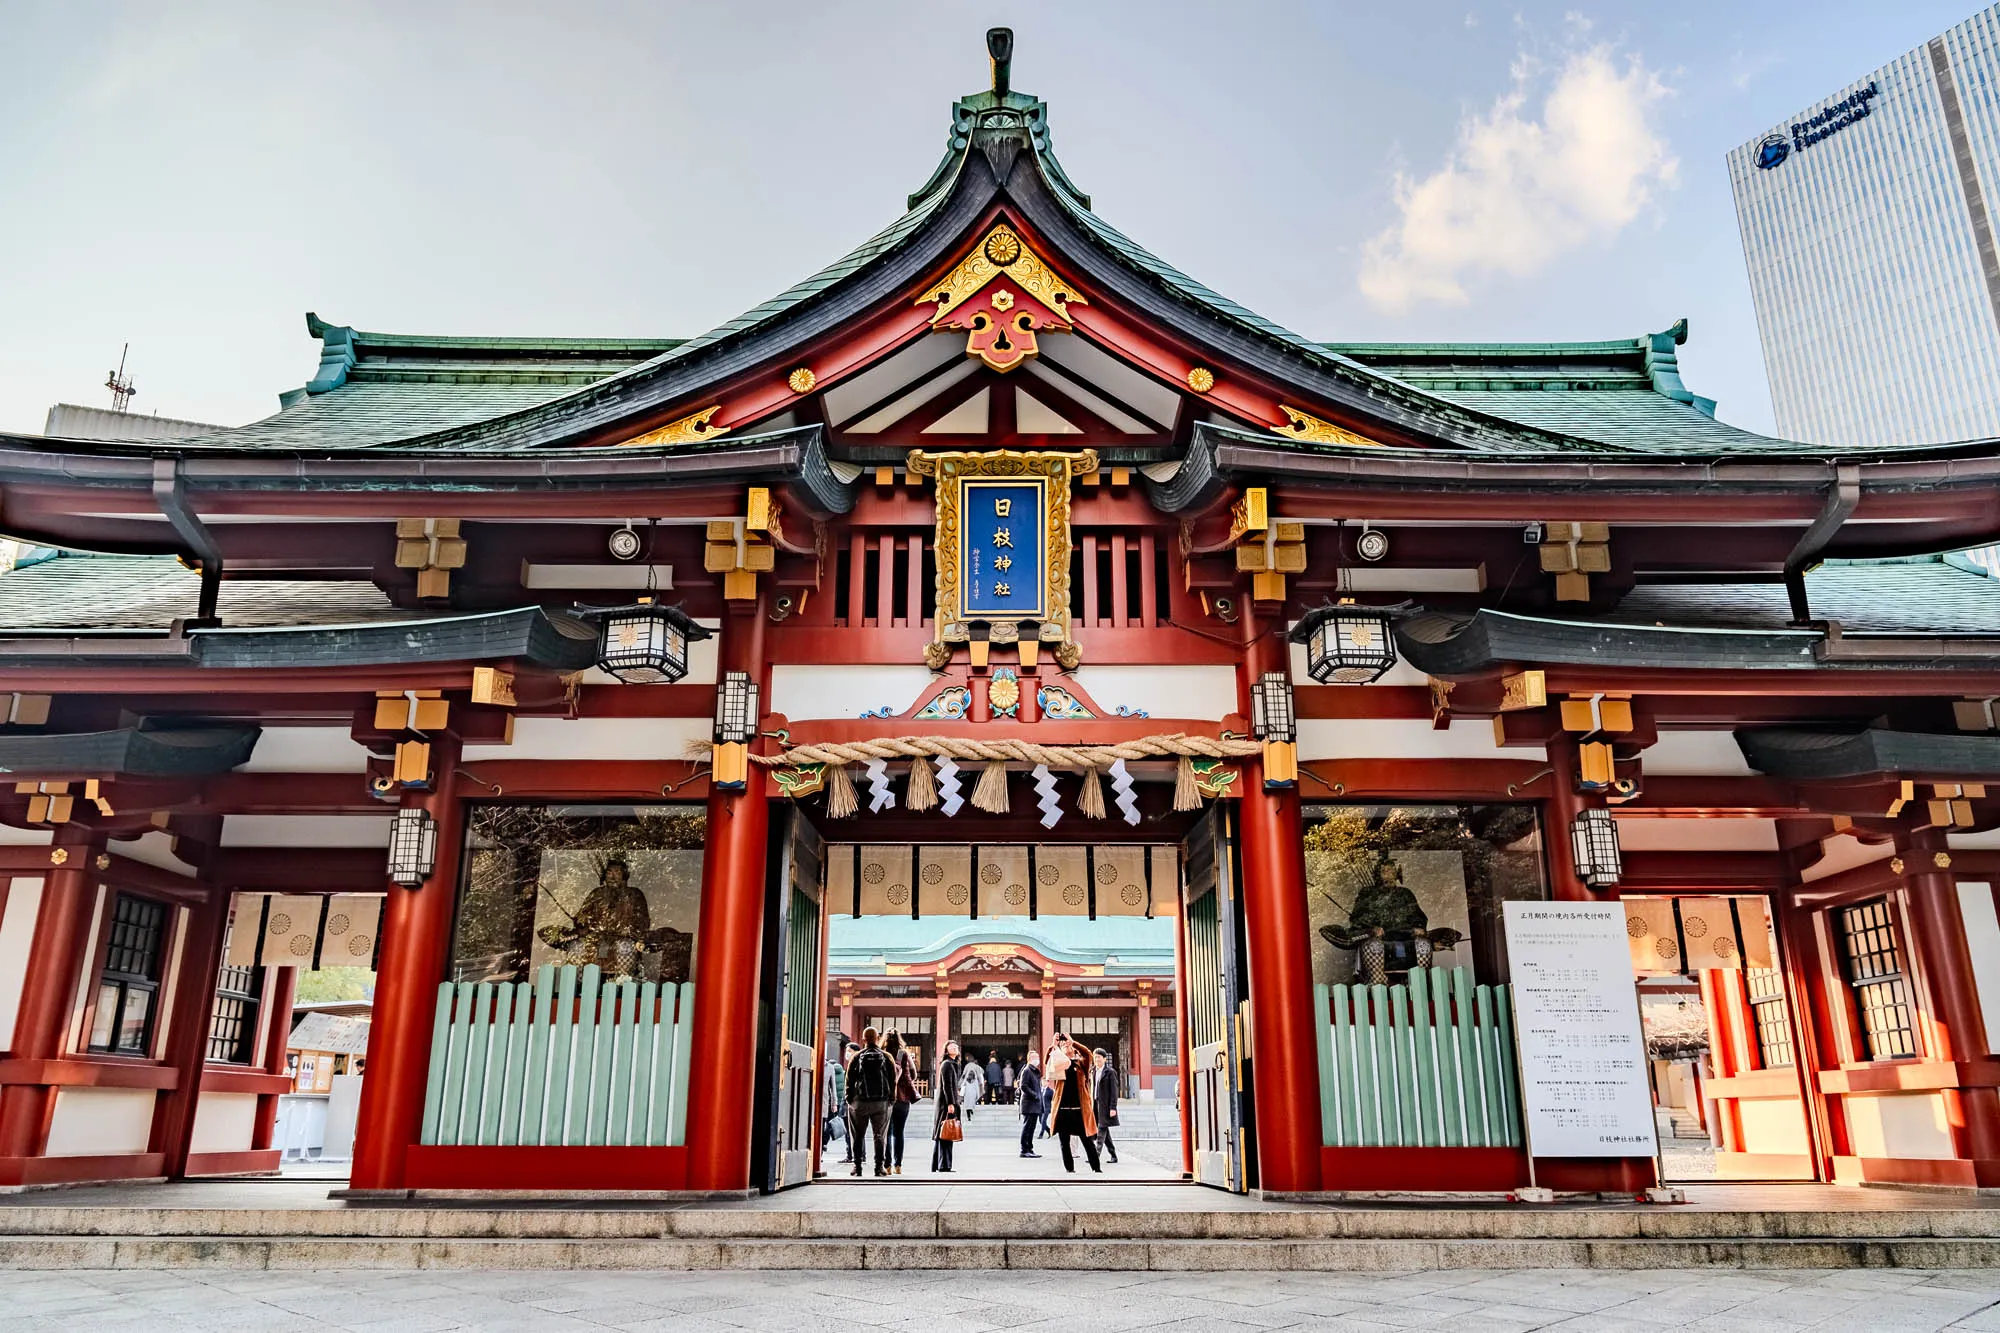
(1926,595)
(485,393)
(141,592)
(865,946)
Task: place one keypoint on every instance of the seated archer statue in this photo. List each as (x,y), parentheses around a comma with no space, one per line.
(614,929)
(1387,929)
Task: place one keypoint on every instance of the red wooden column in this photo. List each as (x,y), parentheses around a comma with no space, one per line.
(1561,810)
(1048,1014)
(56,959)
(416,936)
(941,1022)
(1957,1027)
(1278,933)
(279,993)
(187,1035)
(727,947)
(1142,1044)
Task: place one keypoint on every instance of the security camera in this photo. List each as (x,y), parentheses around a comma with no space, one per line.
(624,543)
(1372,544)
(1532,534)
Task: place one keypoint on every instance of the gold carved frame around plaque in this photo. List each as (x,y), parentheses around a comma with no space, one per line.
(950,471)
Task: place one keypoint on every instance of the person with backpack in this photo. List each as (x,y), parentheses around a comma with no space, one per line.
(906,1096)
(871,1087)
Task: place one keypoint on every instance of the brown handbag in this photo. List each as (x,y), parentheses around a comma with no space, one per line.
(952,1130)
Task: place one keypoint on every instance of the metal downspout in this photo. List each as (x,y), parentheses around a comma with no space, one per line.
(1841,500)
(170,495)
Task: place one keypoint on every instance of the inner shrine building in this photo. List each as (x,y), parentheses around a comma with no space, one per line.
(1002,591)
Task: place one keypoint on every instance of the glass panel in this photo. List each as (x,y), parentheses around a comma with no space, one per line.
(618,886)
(1166,1043)
(1391,888)
(105,1020)
(132,1023)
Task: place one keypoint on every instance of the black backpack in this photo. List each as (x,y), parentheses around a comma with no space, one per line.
(871,1078)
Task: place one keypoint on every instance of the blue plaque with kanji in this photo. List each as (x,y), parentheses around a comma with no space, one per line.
(1002,549)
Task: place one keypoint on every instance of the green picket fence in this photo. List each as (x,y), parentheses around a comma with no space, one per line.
(567,1060)
(1428,1063)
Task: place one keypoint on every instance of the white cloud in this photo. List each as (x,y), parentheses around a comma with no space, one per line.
(1518,190)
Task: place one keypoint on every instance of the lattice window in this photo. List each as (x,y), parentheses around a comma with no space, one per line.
(1873,960)
(903,1023)
(128,989)
(1166,1043)
(232,1032)
(993,1023)
(1771,1015)
(1098,1025)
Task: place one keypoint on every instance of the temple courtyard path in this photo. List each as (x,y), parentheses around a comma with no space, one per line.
(968,1302)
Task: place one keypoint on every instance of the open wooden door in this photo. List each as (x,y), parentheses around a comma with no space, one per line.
(1216,1074)
(791,1049)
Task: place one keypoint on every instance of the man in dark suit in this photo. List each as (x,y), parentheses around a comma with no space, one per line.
(1030,1085)
(1104,1097)
(992,1076)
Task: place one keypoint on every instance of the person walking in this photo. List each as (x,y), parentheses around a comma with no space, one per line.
(871,1087)
(992,1077)
(847,1055)
(974,1086)
(1007,1077)
(1030,1086)
(1104,1092)
(947,1104)
(833,1105)
(1048,1101)
(1076,1110)
(906,1093)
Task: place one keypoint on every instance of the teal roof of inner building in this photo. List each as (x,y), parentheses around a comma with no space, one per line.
(865,946)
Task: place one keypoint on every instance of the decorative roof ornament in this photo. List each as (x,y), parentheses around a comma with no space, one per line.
(1309,429)
(688,430)
(1001,319)
(1000,123)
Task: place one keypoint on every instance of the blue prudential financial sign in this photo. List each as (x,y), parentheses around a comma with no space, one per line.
(1822,124)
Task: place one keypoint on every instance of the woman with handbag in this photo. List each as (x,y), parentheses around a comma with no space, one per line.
(948,1129)
(906,1093)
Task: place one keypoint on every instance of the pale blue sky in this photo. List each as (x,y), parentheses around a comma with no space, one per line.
(193,178)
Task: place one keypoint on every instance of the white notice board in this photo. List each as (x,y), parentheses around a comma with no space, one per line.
(1584,1090)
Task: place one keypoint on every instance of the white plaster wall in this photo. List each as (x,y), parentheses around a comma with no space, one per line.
(306,830)
(25,837)
(154,848)
(1204,693)
(1774,1126)
(1696,754)
(224,1122)
(1898,1124)
(1401,738)
(307,750)
(1982,941)
(1706,834)
(93,1122)
(1844,852)
(17,932)
(1987,841)
(813,693)
(656,738)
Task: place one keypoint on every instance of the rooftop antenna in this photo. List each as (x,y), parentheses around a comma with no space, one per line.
(121,388)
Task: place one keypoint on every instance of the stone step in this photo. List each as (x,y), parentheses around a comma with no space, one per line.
(240,1252)
(453,1221)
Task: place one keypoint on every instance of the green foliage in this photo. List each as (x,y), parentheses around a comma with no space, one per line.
(336,983)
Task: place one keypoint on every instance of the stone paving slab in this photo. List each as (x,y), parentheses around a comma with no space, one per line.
(1060,1300)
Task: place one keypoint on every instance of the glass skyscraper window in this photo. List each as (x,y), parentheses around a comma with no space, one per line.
(1867,226)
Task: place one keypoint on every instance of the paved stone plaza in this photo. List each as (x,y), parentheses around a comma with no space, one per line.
(967,1302)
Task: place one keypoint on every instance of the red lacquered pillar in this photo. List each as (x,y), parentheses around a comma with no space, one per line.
(416,939)
(187,1036)
(1286,1067)
(48,991)
(1958,1028)
(727,948)
(280,993)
